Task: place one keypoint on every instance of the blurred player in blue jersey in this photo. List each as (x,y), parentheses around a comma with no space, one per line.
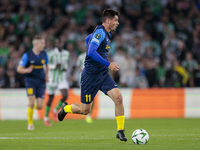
(32,64)
(95,74)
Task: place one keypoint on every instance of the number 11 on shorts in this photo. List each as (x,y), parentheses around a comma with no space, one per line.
(88,97)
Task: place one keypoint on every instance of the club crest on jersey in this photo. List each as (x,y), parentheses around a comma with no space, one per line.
(107,47)
(98,36)
(42,61)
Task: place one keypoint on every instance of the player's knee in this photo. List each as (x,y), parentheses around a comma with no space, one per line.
(39,107)
(119,100)
(86,111)
(31,105)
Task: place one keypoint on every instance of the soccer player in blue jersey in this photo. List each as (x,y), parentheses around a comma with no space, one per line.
(95,74)
(32,64)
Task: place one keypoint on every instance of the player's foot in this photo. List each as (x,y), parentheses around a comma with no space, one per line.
(55,118)
(47,122)
(88,119)
(30,127)
(62,113)
(120,135)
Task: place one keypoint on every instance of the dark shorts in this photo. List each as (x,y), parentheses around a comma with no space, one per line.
(91,84)
(35,87)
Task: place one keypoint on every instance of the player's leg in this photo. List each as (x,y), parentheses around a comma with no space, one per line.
(63,99)
(50,91)
(31,92)
(88,118)
(116,96)
(75,108)
(40,91)
(63,87)
(30,112)
(90,85)
(110,88)
(48,105)
(40,102)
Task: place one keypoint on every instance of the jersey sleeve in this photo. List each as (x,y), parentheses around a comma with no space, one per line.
(87,39)
(98,37)
(47,60)
(24,60)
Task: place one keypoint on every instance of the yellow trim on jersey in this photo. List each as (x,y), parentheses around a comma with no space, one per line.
(37,66)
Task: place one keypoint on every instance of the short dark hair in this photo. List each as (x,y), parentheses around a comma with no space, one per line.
(37,37)
(109,13)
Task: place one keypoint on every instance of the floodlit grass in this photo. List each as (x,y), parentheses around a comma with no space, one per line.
(165,134)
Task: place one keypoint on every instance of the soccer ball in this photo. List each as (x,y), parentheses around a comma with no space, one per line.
(140,137)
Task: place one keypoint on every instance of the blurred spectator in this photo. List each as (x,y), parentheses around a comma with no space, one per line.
(169,44)
(151,73)
(190,64)
(180,51)
(184,33)
(127,34)
(196,44)
(178,68)
(169,62)
(196,76)
(2,77)
(11,80)
(173,79)
(149,42)
(133,9)
(114,4)
(27,43)
(139,81)
(4,51)
(153,34)
(126,70)
(165,26)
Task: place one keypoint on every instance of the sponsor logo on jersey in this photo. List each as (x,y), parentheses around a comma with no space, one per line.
(32,61)
(107,47)
(43,61)
(98,36)
(96,40)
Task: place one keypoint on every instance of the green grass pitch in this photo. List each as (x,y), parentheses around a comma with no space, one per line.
(164,134)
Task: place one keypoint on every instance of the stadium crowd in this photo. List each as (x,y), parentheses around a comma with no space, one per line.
(157,43)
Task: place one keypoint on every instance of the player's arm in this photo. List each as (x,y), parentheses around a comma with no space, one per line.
(97,38)
(87,39)
(47,69)
(21,67)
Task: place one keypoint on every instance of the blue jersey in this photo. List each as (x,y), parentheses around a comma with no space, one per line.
(102,38)
(37,62)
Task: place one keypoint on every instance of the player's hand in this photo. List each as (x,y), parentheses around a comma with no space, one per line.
(64,70)
(29,69)
(113,66)
(46,78)
(58,66)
